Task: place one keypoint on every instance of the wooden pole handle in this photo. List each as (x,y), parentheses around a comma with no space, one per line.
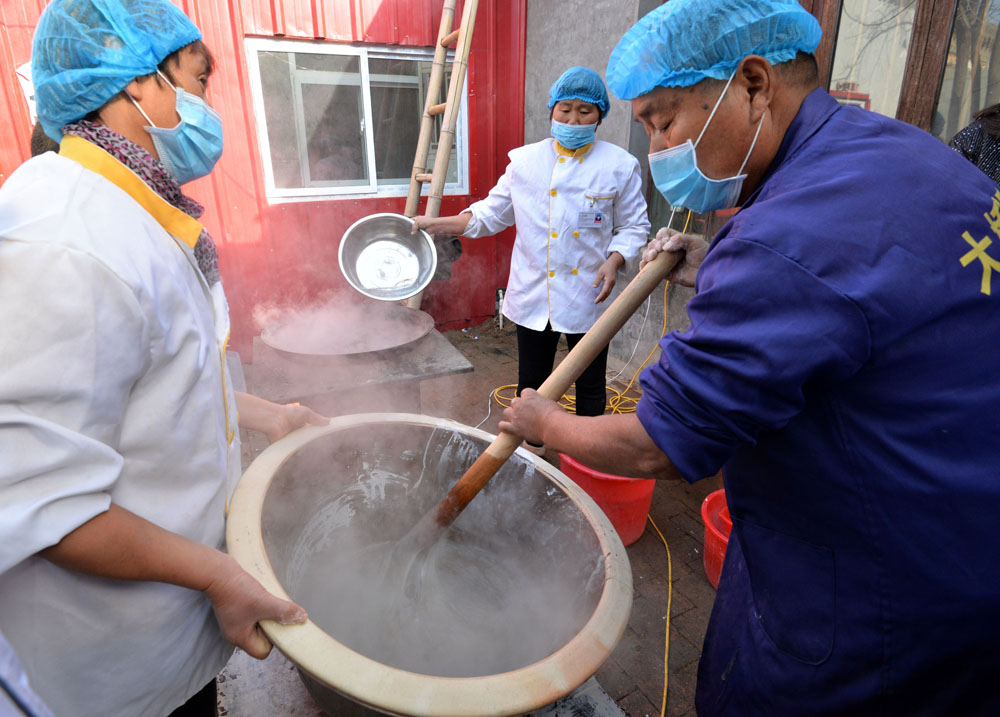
(558,382)
(609,324)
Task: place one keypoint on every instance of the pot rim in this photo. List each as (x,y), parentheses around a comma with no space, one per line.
(395,691)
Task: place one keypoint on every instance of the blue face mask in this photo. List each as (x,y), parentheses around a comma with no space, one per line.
(676,175)
(192,147)
(573,136)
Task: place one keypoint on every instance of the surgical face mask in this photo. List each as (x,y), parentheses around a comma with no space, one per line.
(573,136)
(676,175)
(192,147)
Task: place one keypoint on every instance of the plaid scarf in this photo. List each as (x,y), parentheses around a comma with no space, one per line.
(158,178)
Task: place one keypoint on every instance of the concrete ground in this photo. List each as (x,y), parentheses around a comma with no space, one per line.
(633,676)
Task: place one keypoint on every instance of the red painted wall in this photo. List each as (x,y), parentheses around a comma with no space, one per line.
(274,254)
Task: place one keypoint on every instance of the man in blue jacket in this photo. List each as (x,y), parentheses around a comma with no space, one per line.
(842,367)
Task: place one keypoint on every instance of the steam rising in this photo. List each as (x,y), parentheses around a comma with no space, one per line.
(342,324)
(513,580)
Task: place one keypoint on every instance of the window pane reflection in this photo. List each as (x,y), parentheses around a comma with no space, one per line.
(334,129)
(323,109)
(870,55)
(398,91)
(315,119)
(972,70)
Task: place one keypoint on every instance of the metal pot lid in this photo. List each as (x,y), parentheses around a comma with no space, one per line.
(346,329)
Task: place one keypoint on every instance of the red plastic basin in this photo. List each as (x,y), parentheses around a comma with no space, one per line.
(718,524)
(624,500)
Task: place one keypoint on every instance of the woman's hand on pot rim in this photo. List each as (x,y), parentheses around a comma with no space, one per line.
(274,420)
(240,603)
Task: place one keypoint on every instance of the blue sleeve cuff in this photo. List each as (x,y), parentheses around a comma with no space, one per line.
(695,453)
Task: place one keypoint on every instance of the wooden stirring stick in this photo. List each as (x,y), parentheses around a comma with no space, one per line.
(427,531)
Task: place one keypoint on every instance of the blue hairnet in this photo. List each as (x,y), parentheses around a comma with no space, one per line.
(684,42)
(580,83)
(86,51)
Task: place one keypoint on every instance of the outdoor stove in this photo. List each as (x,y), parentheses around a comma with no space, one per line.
(350,357)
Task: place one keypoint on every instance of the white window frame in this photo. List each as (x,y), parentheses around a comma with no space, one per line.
(372,189)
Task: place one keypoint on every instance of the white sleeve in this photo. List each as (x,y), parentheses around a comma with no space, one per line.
(494,213)
(71,348)
(631,225)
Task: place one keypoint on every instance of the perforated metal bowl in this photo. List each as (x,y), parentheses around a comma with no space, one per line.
(382,258)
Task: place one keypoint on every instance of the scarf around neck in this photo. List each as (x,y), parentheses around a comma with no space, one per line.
(158,178)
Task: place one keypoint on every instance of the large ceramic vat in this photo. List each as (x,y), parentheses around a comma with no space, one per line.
(555,592)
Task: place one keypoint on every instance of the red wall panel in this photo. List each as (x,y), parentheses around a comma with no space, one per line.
(281,253)
(17,25)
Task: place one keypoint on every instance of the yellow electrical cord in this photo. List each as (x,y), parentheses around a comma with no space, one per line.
(670,597)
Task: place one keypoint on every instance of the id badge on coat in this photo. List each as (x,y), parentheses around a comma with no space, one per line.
(591,220)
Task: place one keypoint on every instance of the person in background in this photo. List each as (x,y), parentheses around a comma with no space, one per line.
(577,204)
(118,421)
(979,142)
(840,366)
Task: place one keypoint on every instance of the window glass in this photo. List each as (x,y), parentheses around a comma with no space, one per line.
(322,62)
(870,53)
(281,134)
(399,88)
(321,141)
(337,120)
(972,70)
(333,118)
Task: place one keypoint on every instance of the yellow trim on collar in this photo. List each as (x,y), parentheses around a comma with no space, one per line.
(181,225)
(575,153)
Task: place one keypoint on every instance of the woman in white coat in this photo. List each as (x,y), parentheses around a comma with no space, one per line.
(580,215)
(118,421)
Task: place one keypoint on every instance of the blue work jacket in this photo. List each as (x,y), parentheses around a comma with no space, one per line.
(843,367)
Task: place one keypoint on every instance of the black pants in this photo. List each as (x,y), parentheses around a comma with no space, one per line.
(203,704)
(536,352)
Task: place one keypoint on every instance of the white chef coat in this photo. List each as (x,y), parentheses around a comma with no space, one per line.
(16,695)
(571,210)
(112,388)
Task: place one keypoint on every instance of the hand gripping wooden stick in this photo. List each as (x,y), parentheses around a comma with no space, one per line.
(503,446)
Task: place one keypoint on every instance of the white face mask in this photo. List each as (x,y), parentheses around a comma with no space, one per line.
(676,174)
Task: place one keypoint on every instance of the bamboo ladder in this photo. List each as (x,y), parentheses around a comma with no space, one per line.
(449,109)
